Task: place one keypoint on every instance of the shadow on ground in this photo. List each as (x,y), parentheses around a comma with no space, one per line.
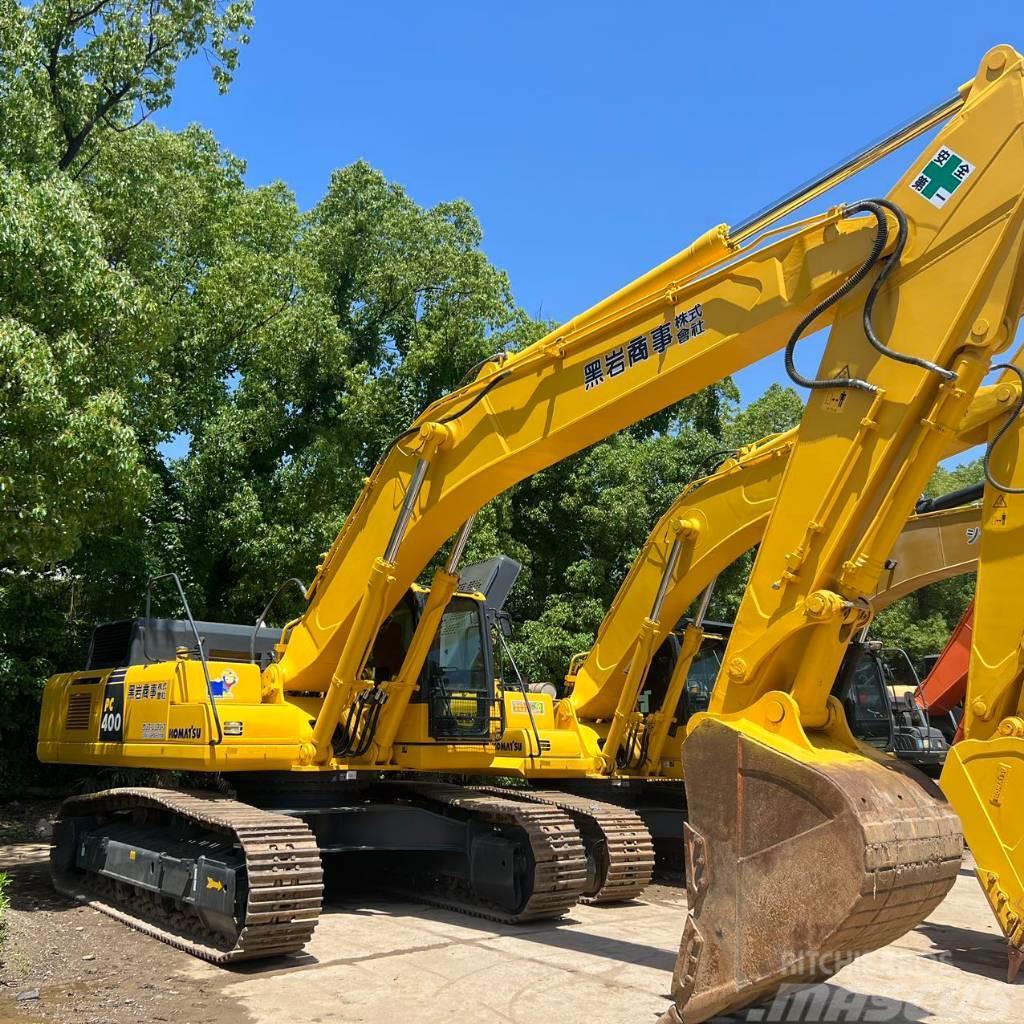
(967,949)
(30,887)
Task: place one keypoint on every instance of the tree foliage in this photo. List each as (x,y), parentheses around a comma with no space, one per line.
(108,229)
(149,297)
(90,67)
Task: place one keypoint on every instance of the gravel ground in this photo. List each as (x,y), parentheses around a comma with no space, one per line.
(64,962)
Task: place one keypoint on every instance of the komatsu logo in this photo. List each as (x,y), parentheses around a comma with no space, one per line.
(187,732)
(942,176)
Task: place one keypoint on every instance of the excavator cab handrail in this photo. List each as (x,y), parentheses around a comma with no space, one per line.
(200,646)
(262,618)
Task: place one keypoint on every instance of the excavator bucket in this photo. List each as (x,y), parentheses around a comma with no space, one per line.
(799,860)
(984,779)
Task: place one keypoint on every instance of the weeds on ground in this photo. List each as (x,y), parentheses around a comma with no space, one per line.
(5,905)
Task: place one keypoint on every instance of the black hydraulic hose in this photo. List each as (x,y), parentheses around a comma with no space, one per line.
(891,264)
(360,744)
(369,729)
(645,746)
(1010,420)
(633,754)
(954,499)
(470,374)
(346,748)
(478,397)
(877,208)
(625,752)
(881,237)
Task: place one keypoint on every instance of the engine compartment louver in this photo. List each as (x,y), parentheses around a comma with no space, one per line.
(79,711)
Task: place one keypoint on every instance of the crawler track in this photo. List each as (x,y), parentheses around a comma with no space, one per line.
(556,850)
(617,841)
(284,884)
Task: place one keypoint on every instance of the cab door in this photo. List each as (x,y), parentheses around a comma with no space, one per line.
(459,674)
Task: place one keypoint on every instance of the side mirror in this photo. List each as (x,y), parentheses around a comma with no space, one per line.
(505,624)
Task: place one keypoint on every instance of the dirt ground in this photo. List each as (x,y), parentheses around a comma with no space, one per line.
(378,960)
(64,962)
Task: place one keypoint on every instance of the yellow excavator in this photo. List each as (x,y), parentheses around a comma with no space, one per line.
(806,848)
(714,521)
(727,512)
(666,673)
(647,679)
(983,772)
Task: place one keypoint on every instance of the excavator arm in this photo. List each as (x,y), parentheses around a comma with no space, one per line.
(715,520)
(933,547)
(805,849)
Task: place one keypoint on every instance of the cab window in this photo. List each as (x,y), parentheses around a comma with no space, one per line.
(456,657)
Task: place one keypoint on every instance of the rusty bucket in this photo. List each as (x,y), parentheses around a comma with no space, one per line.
(798,862)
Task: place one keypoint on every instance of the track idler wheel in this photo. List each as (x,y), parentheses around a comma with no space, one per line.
(800,858)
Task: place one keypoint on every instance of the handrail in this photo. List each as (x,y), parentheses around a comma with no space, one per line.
(199,642)
(266,610)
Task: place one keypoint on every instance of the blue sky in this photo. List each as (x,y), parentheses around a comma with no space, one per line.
(592,139)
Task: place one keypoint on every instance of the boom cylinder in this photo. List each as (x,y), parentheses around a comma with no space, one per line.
(345,680)
(401,688)
(661,721)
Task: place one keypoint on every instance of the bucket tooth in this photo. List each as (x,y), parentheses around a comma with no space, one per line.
(1016,961)
(799,862)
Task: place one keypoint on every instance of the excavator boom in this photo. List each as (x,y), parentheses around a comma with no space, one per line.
(659,340)
(719,517)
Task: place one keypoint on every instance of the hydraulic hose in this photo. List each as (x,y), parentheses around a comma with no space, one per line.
(1010,420)
(478,397)
(954,499)
(877,208)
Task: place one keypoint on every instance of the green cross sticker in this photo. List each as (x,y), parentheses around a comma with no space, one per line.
(942,176)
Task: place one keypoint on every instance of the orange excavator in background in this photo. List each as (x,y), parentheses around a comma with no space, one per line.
(942,691)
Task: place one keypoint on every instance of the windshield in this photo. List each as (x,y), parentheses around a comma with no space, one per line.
(390,645)
(701,678)
(456,656)
(867,710)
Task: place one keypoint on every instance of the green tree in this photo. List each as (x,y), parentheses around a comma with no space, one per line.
(72,333)
(108,230)
(88,321)
(777,410)
(88,68)
(579,525)
(355,318)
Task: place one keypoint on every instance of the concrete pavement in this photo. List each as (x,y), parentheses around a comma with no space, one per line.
(390,961)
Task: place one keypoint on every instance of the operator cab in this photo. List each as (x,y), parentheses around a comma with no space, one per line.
(700,680)
(458,682)
(876,686)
